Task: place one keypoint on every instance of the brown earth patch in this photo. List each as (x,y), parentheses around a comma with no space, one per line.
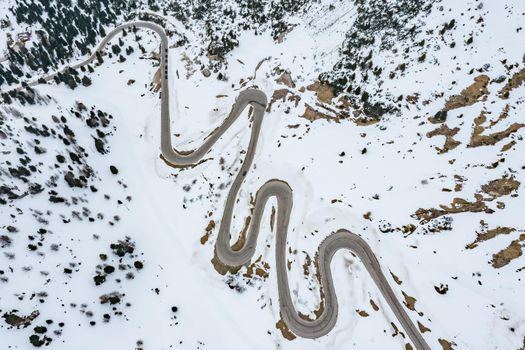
(458,205)
(513,251)
(500,187)
(312,115)
(495,189)
(286,79)
(422,328)
(445,344)
(362,313)
(508,146)
(489,234)
(459,183)
(324,92)
(282,94)
(396,330)
(477,139)
(242,236)
(396,279)
(450,142)
(258,268)
(306,265)
(209,228)
(374,305)
(364,120)
(285,331)
(515,81)
(470,95)
(409,302)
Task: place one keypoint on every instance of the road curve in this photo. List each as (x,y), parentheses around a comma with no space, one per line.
(342,239)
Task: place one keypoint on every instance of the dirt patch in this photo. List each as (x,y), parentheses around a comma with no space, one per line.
(472,94)
(459,183)
(258,268)
(422,328)
(489,234)
(500,187)
(281,95)
(445,344)
(364,120)
(209,228)
(286,79)
(362,313)
(508,146)
(222,268)
(312,115)
(396,279)
(396,330)
(242,236)
(477,139)
(450,142)
(513,251)
(494,189)
(515,81)
(458,205)
(324,92)
(306,265)
(410,302)
(285,330)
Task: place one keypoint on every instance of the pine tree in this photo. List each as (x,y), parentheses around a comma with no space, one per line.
(86,81)
(7,98)
(115,49)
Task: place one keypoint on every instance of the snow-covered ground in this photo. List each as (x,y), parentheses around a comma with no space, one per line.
(369,179)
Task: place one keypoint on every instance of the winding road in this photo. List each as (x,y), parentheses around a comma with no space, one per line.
(342,239)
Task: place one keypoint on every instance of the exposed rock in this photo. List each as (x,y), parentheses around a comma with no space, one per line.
(206,72)
(12,319)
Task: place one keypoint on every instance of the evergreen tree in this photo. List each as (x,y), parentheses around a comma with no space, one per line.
(86,81)
(115,49)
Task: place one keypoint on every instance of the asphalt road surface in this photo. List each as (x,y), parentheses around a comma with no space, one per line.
(342,239)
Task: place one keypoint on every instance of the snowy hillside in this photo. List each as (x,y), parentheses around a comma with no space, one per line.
(401,121)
